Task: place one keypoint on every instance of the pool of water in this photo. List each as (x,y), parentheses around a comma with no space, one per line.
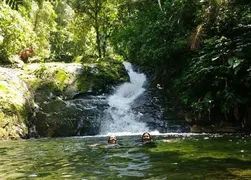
(176,156)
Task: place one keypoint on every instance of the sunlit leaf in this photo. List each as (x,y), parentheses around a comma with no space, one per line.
(213,59)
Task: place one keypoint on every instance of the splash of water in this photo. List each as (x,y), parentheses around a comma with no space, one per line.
(119,117)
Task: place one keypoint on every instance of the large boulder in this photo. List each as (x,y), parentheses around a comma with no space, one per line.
(47,99)
(60,94)
(15,105)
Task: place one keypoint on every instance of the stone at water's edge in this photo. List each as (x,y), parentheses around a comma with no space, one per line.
(43,96)
(14,105)
(69,118)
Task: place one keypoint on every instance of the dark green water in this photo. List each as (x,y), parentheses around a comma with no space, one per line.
(177,156)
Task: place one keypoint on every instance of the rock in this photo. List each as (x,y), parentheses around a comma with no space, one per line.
(55,99)
(14,105)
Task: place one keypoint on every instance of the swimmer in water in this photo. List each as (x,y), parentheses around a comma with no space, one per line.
(146,137)
(112,140)
(147,140)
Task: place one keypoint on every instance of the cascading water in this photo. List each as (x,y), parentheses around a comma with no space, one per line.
(119,118)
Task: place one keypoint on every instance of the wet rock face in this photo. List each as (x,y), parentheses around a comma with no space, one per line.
(74,109)
(70,118)
(53,99)
(153,110)
(150,111)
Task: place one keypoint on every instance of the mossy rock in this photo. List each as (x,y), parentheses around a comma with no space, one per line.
(50,75)
(48,85)
(14,105)
(101,77)
(98,77)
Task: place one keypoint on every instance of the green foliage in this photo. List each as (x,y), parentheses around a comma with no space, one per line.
(62,40)
(151,37)
(101,17)
(56,29)
(74,36)
(44,25)
(221,67)
(26,28)
(14,4)
(200,49)
(15,32)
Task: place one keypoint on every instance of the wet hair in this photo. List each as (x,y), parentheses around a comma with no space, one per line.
(148,135)
(109,139)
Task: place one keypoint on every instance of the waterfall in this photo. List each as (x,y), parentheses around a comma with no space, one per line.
(119,118)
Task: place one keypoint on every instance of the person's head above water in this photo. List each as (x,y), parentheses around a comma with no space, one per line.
(112,139)
(146,137)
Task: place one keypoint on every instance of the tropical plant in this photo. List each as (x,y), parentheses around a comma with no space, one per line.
(14,4)
(100,15)
(15,32)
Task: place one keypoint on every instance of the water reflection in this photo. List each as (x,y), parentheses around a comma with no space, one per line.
(184,156)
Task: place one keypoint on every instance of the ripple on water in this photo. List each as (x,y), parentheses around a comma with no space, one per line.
(90,158)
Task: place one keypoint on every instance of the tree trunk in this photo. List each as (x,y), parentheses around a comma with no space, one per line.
(98,42)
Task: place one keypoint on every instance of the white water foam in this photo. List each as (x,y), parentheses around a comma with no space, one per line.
(119,119)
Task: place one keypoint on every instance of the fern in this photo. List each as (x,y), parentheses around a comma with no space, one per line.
(14,4)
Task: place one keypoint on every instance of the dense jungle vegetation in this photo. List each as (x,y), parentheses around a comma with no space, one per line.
(199,49)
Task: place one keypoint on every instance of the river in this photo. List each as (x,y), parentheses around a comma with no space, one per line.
(176,156)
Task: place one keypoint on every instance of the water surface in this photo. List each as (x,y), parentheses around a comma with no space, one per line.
(176,156)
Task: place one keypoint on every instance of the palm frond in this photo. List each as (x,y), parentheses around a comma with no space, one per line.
(14,4)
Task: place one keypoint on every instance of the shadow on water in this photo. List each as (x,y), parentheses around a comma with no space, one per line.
(199,168)
(3,151)
(198,158)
